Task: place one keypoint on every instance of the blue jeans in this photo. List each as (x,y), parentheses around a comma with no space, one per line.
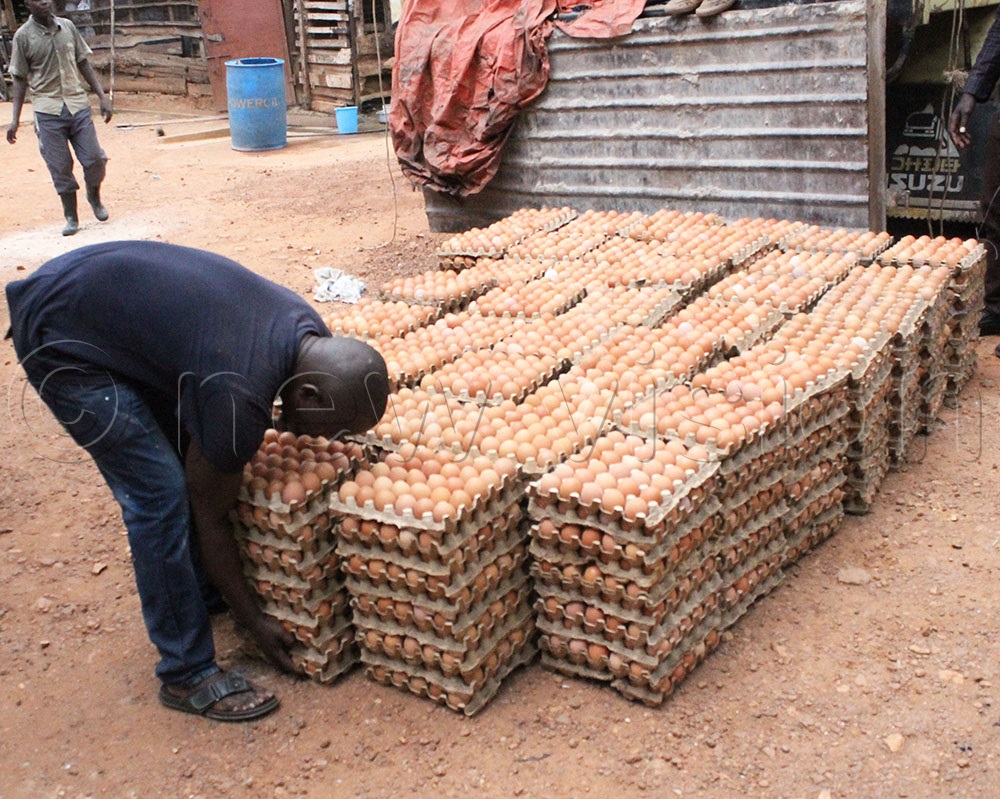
(143,469)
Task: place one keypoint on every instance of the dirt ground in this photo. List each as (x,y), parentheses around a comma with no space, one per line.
(881,681)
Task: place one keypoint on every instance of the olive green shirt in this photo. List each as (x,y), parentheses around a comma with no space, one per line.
(48,61)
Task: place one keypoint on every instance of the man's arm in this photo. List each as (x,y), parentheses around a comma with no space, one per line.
(20,89)
(89,75)
(978,86)
(213,495)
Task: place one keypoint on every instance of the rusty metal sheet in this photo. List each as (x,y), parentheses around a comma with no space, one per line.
(759,112)
(242,29)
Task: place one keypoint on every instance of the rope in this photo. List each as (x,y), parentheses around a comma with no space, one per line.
(388,152)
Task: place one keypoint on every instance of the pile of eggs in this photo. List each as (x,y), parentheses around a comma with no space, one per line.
(666,223)
(506,372)
(605,223)
(555,246)
(624,476)
(785,280)
(528,299)
(372,318)
(428,484)
(292,469)
(435,286)
(813,238)
(927,251)
(496,238)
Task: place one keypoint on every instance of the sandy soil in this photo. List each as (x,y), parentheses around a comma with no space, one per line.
(883,685)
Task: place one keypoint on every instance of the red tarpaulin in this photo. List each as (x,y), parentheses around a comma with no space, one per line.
(464,69)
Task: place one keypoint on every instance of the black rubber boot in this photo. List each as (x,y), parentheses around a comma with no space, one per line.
(69,211)
(94,198)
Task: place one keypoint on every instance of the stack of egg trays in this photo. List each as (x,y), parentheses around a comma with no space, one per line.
(935,331)
(868,387)
(290,559)
(905,419)
(445,612)
(815,486)
(967,292)
(617,598)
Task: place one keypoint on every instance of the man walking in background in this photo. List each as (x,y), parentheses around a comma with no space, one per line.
(49,60)
(978,88)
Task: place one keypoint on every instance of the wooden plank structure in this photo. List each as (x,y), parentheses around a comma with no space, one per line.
(340,49)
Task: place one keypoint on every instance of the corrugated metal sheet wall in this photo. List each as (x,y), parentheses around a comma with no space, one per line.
(755,113)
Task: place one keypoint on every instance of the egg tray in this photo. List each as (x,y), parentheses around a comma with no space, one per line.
(282,518)
(863,485)
(444,305)
(572,570)
(305,541)
(311,630)
(555,304)
(693,650)
(628,601)
(454,693)
(959,374)
(901,440)
(423,315)
(481,399)
(630,553)
(871,439)
(769,325)
(324,577)
(965,263)
(470,557)
(636,602)
(823,499)
(535,221)
(307,602)
(484,509)
(462,591)
(437,617)
(444,629)
(324,666)
(608,622)
(569,245)
(444,657)
(289,562)
(617,657)
(871,248)
(454,553)
(824,465)
(814,528)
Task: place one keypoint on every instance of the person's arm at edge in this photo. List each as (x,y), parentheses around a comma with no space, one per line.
(89,75)
(213,495)
(978,86)
(20,90)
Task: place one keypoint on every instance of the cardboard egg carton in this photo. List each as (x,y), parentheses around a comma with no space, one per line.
(864,479)
(443,300)
(317,538)
(450,554)
(463,590)
(544,369)
(585,575)
(867,244)
(823,498)
(629,551)
(314,626)
(604,223)
(512,303)
(483,510)
(463,557)
(404,318)
(445,657)
(660,224)
(595,620)
(516,650)
(327,661)
(596,657)
(688,655)
(684,500)
(444,629)
(562,244)
(923,255)
(509,230)
(287,562)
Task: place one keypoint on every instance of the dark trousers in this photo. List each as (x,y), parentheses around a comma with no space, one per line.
(989,231)
(56,134)
(141,465)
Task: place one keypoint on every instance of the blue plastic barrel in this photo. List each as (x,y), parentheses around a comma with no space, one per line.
(258,114)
